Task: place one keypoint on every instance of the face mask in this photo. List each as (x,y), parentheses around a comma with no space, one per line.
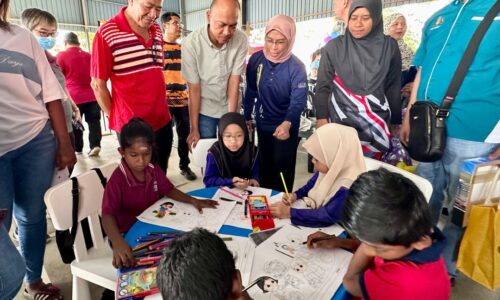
(46,42)
(315,64)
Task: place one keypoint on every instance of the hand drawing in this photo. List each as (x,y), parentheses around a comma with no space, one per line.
(312,272)
(275,268)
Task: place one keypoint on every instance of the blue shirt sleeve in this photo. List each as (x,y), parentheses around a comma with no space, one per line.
(212,174)
(251,89)
(298,92)
(324,216)
(302,192)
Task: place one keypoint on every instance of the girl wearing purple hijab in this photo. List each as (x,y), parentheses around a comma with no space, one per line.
(276,94)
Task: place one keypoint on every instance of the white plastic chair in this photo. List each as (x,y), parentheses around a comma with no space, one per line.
(423,184)
(95,264)
(200,153)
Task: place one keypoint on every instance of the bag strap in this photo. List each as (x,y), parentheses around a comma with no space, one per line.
(103,179)
(466,61)
(75,192)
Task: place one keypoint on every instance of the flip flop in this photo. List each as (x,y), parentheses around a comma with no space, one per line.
(46,292)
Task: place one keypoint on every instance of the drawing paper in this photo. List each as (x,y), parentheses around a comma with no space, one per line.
(183,216)
(297,273)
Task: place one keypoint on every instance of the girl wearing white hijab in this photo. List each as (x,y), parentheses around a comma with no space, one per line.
(338,159)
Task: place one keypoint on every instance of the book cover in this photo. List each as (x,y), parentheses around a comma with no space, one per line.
(137,284)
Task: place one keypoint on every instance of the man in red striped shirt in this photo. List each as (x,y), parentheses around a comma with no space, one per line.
(127,50)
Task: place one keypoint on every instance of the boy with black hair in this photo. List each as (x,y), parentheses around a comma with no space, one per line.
(400,252)
(198,265)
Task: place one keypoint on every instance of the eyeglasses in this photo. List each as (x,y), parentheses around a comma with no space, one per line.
(178,24)
(46,34)
(277,42)
(228,137)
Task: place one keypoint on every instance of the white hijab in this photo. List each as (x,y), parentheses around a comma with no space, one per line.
(338,147)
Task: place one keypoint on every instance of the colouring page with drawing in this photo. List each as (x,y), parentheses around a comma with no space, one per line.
(182,216)
(295,272)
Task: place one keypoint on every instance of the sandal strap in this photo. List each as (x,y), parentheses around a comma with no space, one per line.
(48,292)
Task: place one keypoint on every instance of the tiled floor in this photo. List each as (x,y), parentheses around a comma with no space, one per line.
(60,274)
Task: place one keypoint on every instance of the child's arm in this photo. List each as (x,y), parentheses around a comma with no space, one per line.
(302,192)
(213,176)
(315,241)
(176,194)
(122,252)
(359,263)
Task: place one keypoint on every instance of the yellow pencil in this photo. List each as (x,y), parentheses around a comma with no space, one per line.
(284,183)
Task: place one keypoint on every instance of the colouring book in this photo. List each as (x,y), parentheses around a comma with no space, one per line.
(243,250)
(138,283)
(183,216)
(294,272)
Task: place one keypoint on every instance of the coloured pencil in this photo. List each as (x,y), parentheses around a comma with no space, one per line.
(229,200)
(231,193)
(227,238)
(284,183)
(246,208)
(140,246)
(322,238)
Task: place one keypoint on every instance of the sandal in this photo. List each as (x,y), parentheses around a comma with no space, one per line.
(46,292)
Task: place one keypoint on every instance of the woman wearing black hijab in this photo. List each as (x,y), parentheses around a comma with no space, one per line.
(359,79)
(232,160)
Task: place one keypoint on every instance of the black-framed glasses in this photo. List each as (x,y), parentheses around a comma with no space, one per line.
(44,33)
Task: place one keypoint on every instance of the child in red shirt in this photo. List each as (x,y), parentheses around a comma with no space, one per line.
(400,252)
(134,186)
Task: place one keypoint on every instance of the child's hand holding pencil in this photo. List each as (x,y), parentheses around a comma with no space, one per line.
(289,198)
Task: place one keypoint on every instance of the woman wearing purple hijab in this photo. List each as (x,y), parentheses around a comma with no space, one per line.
(276,93)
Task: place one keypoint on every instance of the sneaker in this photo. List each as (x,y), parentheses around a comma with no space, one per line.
(95,151)
(15,236)
(188,174)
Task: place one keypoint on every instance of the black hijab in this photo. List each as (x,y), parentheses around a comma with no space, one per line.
(234,164)
(363,64)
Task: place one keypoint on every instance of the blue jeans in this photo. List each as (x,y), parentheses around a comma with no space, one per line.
(207,126)
(12,267)
(25,177)
(444,175)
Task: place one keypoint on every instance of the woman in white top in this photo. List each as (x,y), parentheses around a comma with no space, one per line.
(33,141)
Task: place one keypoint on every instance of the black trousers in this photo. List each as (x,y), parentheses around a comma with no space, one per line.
(163,140)
(180,118)
(277,156)
(92,113)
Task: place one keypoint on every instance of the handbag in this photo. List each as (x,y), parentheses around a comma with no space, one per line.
(479,254)
(428,134)
(66,238)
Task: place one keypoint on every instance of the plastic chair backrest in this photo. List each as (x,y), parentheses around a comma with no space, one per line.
(59,205)
(423,184)
(200,152)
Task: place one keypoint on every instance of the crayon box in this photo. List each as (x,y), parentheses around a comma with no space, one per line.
(260,214)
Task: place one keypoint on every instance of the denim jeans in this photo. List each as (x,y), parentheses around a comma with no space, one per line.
(12,267)
(26,174)
(207,126)
(444,175)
